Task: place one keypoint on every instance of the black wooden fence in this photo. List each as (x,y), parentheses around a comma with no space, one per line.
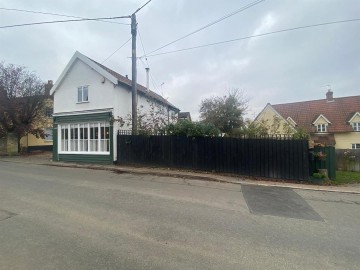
(271,157)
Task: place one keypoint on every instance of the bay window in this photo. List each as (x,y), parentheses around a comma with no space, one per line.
(85,138)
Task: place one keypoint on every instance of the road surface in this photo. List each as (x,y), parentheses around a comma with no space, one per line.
(66,218)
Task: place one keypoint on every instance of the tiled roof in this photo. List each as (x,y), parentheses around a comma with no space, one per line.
(338,112)
(140,88)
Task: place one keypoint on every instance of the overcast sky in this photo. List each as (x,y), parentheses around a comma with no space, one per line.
(286,67)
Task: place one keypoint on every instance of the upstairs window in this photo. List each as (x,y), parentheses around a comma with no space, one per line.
(322,128)
(83,94)
(356,126)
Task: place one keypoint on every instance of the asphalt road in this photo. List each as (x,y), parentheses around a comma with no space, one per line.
(64,218)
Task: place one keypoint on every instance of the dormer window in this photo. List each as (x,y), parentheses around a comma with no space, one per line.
(356,126)
(322,128)
(83,94)
(355,121)
(321,123)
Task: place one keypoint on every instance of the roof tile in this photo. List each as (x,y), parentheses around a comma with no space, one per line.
(338,112)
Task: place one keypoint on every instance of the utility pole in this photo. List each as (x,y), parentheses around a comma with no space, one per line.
(134,70)
(134,75)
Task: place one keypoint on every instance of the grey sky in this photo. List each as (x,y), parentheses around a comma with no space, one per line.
(285,67)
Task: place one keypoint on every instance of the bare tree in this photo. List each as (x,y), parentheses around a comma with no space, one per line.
(22,97)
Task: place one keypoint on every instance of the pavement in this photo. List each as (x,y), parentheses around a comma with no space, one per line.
(46,159)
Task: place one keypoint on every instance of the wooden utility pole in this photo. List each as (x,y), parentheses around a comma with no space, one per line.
(134,75)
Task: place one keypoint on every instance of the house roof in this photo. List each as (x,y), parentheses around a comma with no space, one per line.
(184,115)
(338,112)
(112,76)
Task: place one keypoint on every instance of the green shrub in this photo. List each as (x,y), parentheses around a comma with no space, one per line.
(192,129)
(318,175)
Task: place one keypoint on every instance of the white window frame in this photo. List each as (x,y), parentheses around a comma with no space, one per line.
(99,145)
(356,126)
(321,128)
(355,146)
(84,98)
(49,137)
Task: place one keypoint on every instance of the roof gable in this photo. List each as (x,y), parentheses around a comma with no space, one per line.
(87,61)
(269,107)
(355,116)
(321,117)
(109,74)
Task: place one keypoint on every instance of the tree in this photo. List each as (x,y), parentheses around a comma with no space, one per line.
(251,129)
(225,112)
(21,101)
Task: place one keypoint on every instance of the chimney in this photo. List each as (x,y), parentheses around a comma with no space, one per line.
(147,78)
(48,87)
(329,96)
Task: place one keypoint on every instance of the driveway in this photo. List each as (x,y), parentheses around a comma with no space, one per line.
(71,218)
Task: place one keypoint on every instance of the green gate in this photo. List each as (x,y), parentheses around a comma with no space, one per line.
(323,158)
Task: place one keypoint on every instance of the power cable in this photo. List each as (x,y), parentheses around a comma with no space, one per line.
(136,11)
(63,21)
(259,35)
(211,24)
(116,50)
(155,84)
(142,45)
(54,14)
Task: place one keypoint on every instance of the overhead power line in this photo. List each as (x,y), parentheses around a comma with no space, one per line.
(63,21)
(116,50)
(153,81)
(54,14)
(142,45)
(211,24)
(136,11)
(254,36)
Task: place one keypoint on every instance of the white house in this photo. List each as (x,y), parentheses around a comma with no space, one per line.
(87,98)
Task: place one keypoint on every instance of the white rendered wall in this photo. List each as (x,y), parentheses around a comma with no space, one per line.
(100,94)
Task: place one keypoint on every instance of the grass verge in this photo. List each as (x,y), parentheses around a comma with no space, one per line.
(343,177)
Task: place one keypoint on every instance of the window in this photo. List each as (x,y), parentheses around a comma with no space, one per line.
(86,138)
(355,146)
(356,126)
(83,94)
(49,111)
(322,128)
(48,134)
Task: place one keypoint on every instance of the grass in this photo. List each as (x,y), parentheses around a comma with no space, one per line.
(343,177)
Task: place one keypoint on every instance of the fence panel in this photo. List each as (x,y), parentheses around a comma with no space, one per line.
(348,159)
(260,157)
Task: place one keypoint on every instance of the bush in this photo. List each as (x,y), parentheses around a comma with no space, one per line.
(318,175)
(192,129)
